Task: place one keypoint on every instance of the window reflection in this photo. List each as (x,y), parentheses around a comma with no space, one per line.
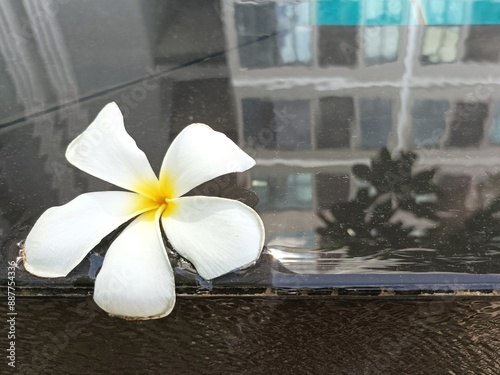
(495,129)
(282,125)
(292,191)
(274,34)
(375,121)
(440,44)
(467,126)
(294,36)
(256,25)
(445,12)
(336,118)
(381,44)
(385,12)
(258,116)
(293,125)
(338,45)
(483,43)
(429,122)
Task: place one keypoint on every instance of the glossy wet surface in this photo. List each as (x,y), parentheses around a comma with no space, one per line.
(377,143)
(376,133)
(255,336)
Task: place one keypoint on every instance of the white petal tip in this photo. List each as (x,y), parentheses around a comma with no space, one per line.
(159,316)
(41,273)
(36,271)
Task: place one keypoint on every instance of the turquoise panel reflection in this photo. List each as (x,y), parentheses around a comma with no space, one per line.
(405,12)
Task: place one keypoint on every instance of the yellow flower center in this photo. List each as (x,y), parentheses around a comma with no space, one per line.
(154,195)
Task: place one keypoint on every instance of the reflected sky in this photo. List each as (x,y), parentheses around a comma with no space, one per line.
(308,100)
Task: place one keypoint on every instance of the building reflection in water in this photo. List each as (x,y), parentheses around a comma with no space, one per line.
(309,120)
(307,101)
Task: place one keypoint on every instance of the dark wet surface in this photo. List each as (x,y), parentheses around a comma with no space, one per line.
(256,336)
(313,104)
(316,106)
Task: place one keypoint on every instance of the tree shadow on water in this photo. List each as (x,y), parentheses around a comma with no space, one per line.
(395,208)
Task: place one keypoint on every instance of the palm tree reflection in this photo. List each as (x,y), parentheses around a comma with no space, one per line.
(395,208)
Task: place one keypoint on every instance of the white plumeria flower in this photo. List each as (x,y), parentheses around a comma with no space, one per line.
(136,280)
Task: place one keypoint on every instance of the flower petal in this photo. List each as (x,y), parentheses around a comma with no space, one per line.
(197,155)
(136,280)
(105,150)
(63,235)
(217,235)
